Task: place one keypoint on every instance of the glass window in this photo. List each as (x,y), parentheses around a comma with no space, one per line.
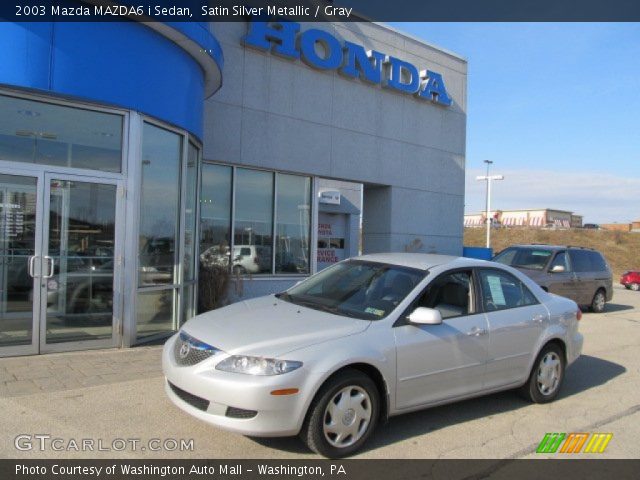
(48,134)
(580,260)
(501,290)
(159,203)
(524,257)
(293,223)
(191,185)
(450,294)
(215,215)
(598,263)
(253,221)
(561,260)
(355,288)
(155,312)
(17,244)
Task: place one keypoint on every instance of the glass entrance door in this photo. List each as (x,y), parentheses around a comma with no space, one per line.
(79,264)
(19,241)
(59,269)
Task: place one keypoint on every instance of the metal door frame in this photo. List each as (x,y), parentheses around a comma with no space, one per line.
(114,341)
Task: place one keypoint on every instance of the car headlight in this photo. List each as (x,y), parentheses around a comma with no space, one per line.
(257,365)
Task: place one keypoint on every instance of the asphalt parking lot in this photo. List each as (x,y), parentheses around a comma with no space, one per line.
(118,394)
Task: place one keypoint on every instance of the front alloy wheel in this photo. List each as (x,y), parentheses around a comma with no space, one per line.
(343,415)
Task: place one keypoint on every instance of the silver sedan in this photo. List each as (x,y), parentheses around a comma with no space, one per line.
(369,338)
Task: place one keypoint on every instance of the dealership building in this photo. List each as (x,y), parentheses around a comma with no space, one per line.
(133,154)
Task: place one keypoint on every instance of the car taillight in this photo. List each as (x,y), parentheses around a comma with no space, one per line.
(579,315)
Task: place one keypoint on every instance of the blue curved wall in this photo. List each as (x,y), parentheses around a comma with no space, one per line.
(125,64)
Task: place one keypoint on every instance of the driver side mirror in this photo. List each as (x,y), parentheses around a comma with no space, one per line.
(557,269)
(425,316)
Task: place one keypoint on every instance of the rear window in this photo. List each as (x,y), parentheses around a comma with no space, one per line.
(524,257)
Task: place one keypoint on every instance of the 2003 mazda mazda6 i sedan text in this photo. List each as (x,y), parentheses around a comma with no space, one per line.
(368,338)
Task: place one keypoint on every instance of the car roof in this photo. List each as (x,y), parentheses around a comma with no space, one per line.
(542,246)
(422,261)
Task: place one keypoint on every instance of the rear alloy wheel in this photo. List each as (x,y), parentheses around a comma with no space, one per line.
(598,302)
(342,416)
(634,286)
(546,375)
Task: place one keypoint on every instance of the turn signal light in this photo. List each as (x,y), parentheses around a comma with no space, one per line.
(579,315)
(285,391)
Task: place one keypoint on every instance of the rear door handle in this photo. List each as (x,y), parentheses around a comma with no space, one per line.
(476,332)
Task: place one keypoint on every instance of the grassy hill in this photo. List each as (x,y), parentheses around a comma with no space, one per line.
(621,249)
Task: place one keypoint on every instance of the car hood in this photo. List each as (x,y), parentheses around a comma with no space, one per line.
(269,327)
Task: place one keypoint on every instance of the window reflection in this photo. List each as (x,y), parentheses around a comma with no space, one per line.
(215,215)
(159,203)
(17,243)
(47,134)
(293,223)
(253,227)
(191,185)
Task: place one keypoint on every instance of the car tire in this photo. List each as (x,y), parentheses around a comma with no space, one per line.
(598,302)
(634,286)
(547,374)
(340,437)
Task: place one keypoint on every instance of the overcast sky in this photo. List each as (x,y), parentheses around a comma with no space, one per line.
(556,106)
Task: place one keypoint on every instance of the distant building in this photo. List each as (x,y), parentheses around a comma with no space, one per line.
(537,218)
(617,227)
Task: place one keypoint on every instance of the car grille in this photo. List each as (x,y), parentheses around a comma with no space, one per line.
(189,351)
(233,412)
(191,399)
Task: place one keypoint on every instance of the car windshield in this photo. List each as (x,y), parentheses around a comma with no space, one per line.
(356,288)
(521,257)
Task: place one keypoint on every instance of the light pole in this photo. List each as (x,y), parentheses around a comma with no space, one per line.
(488,179)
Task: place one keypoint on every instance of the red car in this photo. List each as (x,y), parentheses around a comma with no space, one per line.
(631,280)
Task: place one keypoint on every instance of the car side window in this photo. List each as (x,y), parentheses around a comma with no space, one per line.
(598,263)
(501,291)
(451,294)
(581,260)
(561,259)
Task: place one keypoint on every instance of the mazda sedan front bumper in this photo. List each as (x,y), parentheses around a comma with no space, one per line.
(234,401)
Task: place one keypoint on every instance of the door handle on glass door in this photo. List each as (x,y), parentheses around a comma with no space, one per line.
(50,272)
(32,259)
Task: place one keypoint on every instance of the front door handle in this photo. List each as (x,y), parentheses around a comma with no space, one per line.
(476,332)
(538,318)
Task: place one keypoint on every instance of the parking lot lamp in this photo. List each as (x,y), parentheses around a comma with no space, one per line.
(488,178)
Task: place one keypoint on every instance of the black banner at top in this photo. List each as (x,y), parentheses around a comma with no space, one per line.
(322,10)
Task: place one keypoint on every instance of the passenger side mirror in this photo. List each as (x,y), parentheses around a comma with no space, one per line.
(425,316)
(557,269)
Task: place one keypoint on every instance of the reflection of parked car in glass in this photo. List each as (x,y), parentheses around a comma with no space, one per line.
(84,287)
(631,280)
(246,258)
(578,273)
